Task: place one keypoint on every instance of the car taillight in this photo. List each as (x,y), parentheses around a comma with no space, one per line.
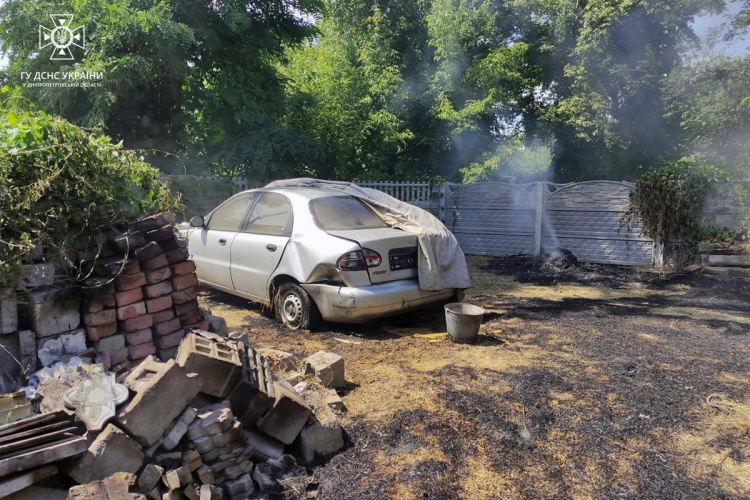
(359,260)
(372,258)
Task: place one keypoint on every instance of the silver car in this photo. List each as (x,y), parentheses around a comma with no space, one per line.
(310,254)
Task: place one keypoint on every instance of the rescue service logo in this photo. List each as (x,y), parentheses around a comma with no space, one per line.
(62,37)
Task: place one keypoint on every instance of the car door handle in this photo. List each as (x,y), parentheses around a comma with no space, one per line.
(271,247)
(222,242)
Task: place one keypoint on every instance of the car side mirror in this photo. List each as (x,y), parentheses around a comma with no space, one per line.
(197,221)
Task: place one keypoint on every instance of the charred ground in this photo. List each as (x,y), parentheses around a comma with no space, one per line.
(591,382)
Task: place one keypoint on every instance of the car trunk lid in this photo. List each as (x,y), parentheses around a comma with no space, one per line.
(397,249)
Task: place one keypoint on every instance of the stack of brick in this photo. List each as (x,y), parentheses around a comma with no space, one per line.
(146,296)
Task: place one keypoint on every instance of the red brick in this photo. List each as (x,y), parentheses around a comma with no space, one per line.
(100,303)
(95,333)
(158,290)
(154,221)
(183,282)
(183,268)
(186,295)
(140,351)
(131,311)
(170,340)
(158,275)
(130,281)
(185,308)
(99,318)
(162,316)
(139,323)
(128,297)
(164,233)
(192,317)
(169,245)
(113,358)
(148,251)
(166,327)
(139,337)
(177,255)
(154,264)
(98,287)
(159,303)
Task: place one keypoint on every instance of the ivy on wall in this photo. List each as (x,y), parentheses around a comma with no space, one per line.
(668,201)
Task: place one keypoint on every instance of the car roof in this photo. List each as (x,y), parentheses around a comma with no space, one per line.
(306,192)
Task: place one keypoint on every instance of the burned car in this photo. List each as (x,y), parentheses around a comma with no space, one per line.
(310,254)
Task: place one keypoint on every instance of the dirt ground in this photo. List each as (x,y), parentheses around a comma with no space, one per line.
(596,382)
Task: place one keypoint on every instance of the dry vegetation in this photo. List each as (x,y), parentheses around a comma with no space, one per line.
(593,383)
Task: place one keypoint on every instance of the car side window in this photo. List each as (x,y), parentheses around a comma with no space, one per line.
(229,216)
(271,215)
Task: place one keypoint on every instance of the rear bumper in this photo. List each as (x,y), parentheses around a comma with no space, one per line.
(342,304)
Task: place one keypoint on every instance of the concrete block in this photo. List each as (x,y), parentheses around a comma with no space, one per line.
(154,264)
(141,351)
(95,333)
(205,475)
(50,351)
(186,295)
(210,492)
(139,337)
(128,297)
(8,311)
(264,447)
(157,289)
(162,316)
(177,255)
(286,418)
(177,478)
(138,323)
(112,451)
(333,400)
(150,477)
(321,436)
(183,268)
(186,307)
(131,310)
(178,430)
(110,344)
(159,304)
(127,282)
(148,251)
(218,363)
(74,342)
(27,350)
(36,275)
(167,327)
(254,394)
(156,403)
(217,325)
(327,367)
(170,340)
(55,316)
(280,361)
(184,282)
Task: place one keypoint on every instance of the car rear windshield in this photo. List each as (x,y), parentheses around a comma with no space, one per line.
(334,213)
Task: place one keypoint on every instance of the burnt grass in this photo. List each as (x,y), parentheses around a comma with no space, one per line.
(596,414)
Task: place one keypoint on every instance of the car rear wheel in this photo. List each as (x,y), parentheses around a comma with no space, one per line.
(295,308)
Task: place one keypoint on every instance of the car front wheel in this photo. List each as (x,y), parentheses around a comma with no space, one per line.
(295,308)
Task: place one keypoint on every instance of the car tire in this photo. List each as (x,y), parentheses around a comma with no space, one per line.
(295,308)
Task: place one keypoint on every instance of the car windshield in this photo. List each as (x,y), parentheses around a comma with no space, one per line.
(334,213)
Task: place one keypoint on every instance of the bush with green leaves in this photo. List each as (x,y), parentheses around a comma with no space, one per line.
(61,184)
(668,200)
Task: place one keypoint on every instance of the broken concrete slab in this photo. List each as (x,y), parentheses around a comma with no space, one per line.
(74,342)
(156,403)
(50,351)
(110,452)
(218,362)
(322,435)
(286,418)
(177,478)
(327,367)
(150,477)
(267,474)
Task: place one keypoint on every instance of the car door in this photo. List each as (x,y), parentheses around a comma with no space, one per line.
(210,247)
(258,247)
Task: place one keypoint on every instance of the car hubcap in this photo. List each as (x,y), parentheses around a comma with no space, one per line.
(292,308)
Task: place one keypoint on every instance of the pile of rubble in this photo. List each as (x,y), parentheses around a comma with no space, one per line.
(219,421)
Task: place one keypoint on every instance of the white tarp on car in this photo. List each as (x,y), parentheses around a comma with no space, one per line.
(441,262)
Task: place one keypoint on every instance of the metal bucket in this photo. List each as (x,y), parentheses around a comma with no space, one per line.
(463,321)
